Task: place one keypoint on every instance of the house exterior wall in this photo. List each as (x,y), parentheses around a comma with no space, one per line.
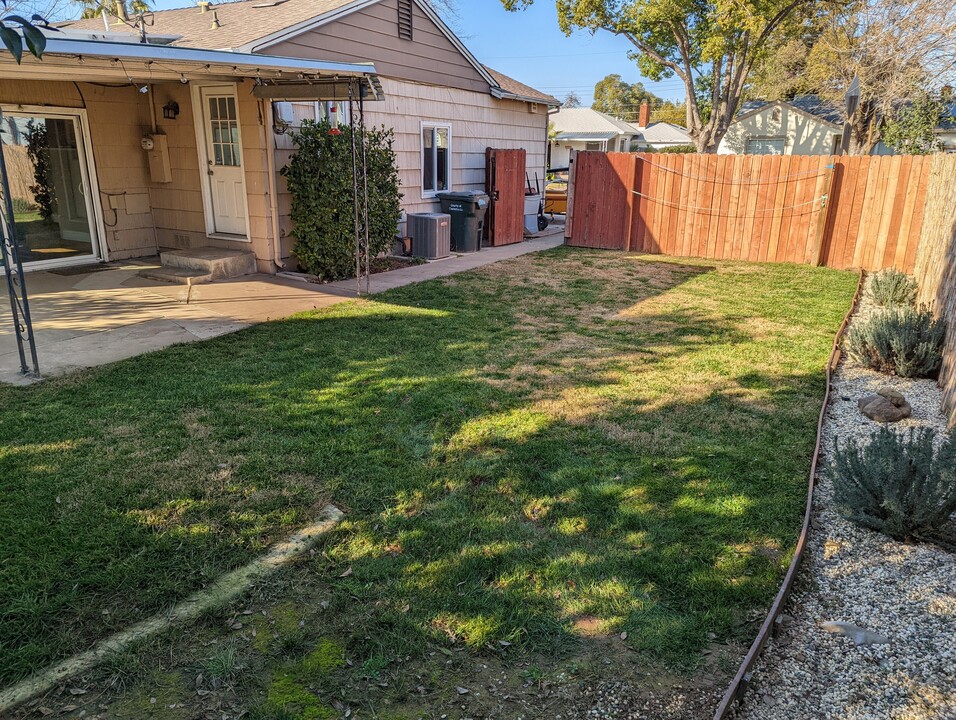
(802,133)
(178,206)
(118,118)
(477,120)
(372,34)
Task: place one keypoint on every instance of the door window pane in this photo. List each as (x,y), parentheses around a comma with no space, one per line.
(46,165)
(224,131)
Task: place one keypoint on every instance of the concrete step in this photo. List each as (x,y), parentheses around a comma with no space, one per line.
(216,262)
(180,276)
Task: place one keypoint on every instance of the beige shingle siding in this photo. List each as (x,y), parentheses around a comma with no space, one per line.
(478,121)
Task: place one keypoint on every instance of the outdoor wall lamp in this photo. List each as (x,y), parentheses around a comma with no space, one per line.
(171,110)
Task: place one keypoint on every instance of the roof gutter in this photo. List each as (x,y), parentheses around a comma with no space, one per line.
(501,94)
(236,61)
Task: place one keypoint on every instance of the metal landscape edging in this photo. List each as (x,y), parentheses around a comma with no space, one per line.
(741,682)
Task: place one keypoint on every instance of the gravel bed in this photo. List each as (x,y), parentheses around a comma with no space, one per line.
(906,593)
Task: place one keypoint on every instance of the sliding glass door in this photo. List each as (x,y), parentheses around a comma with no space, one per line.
(46,159)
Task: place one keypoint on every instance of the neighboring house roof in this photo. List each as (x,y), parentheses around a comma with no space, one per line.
(251,25)
(807,104)
(660,133)
(586,120)
(569,136)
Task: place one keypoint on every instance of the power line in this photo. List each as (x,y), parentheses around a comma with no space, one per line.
(560,55)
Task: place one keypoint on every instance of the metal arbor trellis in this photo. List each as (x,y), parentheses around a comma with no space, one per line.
(360,185)
(16,284)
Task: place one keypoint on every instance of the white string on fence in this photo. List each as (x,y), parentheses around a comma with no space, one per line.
(742,181)
(768,211)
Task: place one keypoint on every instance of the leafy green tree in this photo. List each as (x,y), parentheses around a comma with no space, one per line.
(715,40)
(621,99)
(117,8)
(913,129)
(669,111)
(897,49)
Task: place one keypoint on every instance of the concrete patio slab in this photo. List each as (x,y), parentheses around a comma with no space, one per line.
(92,318)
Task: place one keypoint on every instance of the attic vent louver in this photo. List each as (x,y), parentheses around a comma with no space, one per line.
(405,19)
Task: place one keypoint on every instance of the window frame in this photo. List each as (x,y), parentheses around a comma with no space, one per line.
(767,138)
(434,126)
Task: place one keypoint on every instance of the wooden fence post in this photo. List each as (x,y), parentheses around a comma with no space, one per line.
(819,254)
(569,215)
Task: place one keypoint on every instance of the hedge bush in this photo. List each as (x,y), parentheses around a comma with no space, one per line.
(677,149)
(319,177)
(891,287)
(904,341)
(896,484)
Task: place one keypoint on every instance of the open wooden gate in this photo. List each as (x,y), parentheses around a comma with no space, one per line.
(505,183)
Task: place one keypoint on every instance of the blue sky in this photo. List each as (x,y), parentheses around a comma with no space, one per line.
(528,46)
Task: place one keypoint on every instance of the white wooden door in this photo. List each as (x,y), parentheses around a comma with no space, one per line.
(227,195)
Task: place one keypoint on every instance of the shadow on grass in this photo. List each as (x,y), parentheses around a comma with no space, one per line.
(558,437)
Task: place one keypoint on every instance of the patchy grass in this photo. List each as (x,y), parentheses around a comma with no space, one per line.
(562,446)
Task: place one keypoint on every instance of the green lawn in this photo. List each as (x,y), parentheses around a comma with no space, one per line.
(570,442)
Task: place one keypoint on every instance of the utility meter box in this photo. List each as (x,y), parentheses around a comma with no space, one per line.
(157,156)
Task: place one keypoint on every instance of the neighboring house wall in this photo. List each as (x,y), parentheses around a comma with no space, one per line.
(371,34)
(948,139)
(477,120)
(561,149)
(779,129)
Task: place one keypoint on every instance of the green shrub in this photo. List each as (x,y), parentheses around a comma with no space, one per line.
(22,206)
(896,484)
(902,341)
(677,149)
(892,287)
(319,176)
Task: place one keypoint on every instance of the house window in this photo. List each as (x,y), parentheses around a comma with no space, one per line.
(624,144)
(289,115)
(766,146)
(591,146)
(436,159)
(405,19)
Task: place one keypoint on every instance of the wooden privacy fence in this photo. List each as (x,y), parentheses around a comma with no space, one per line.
(839,211)
(936,265)
(842,212)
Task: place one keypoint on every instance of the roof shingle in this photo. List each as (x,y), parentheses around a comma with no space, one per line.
(512,86)
(240,22)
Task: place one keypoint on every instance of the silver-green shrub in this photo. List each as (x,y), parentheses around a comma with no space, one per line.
(891,287)
(896,483)
(902,341)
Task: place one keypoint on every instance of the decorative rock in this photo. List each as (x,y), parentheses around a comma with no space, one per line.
(894,396)
(884,409)
(859,636)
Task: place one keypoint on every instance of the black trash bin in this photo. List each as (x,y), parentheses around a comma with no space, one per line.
(467,210)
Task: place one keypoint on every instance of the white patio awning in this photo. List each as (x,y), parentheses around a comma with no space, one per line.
(70,59)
